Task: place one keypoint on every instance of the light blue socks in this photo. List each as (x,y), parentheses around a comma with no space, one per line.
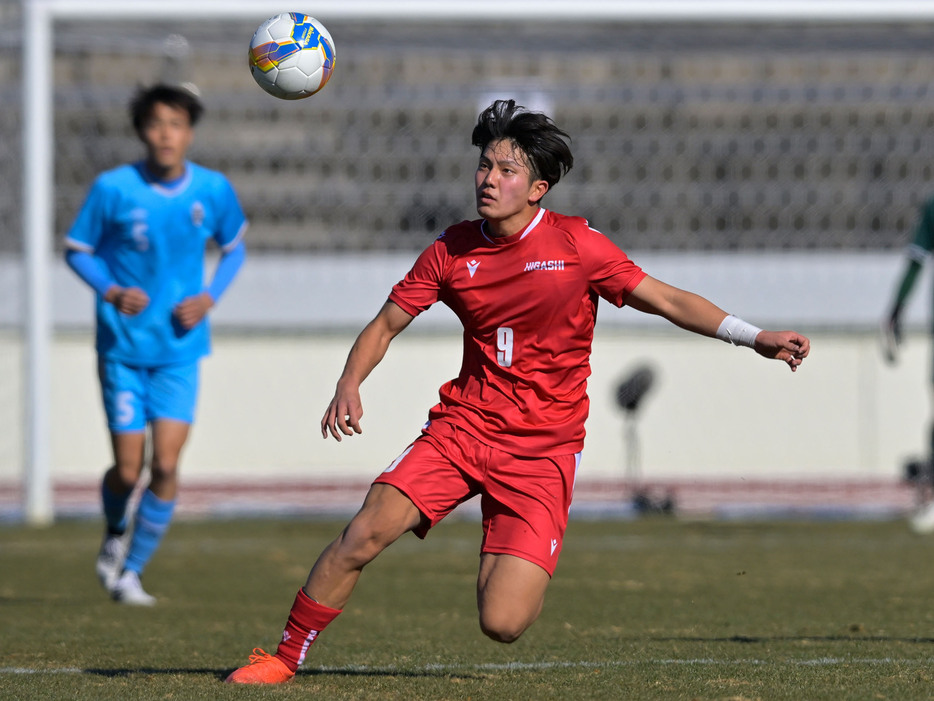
(152,521)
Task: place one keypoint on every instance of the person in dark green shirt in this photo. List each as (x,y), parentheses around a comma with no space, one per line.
(922,521)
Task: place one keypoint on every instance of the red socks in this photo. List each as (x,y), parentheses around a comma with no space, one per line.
(306,619)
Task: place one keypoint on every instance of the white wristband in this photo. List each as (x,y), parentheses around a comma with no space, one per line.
(736,331)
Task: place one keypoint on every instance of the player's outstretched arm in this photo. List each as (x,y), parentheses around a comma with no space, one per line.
(343,414)
(698,314)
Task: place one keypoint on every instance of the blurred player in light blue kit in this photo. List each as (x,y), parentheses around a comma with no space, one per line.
(139,241)
(922,521)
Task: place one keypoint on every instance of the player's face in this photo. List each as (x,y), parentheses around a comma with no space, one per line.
(167,135)
(507,196)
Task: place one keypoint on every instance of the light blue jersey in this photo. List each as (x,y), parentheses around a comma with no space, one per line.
(152,236)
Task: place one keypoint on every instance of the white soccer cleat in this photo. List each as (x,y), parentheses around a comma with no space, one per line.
(110,559)
(128,590)
(922,520)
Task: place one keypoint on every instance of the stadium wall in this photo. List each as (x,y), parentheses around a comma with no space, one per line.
(714,412)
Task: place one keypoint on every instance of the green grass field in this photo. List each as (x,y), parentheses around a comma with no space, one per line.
(650,609)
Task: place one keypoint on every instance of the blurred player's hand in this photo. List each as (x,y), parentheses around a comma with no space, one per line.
(891,337)
(788,346)
(128,300)
(191,310)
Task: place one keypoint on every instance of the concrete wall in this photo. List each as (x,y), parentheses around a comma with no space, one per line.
(714,411)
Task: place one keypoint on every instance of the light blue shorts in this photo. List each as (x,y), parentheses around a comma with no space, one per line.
(135,396)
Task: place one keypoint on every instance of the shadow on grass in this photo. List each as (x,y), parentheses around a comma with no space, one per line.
(752,639)
(336,672)
(446,671)
(383,672)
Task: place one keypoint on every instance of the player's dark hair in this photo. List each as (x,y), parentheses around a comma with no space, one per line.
(535,134)
(145,98)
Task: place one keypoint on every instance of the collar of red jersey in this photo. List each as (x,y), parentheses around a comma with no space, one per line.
(515,237)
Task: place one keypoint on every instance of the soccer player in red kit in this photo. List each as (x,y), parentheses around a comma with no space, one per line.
(524,282)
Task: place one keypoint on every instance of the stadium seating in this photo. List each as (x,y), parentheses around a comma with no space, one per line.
(685,137)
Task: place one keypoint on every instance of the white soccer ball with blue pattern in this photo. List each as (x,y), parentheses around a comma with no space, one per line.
(292,56)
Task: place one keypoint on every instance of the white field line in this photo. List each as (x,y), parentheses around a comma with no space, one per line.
(544,666)
(24,670)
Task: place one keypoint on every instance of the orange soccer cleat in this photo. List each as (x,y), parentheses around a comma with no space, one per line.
(263,669)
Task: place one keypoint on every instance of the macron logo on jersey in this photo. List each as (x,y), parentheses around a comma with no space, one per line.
(472,267)
(544,265)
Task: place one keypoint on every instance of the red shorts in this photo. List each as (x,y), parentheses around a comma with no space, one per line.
(524,501)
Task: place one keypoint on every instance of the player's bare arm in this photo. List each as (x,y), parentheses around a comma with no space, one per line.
(127,300)
(682,308)
(345,410)
(698,314)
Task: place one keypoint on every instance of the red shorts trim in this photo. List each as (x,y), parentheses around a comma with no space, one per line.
(524,501)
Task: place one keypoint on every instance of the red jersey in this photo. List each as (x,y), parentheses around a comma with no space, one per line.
(528,303)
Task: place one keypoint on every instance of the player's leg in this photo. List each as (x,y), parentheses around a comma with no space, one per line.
(116,489)
(922,519)
(122,394)
(928,480)
(525,512)
(510,595)
(153,513)
(157,503)
(171,394)
(128,451)
(386,514)
(168,439)
(415,492)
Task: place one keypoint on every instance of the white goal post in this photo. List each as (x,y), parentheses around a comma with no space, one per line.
(38,137)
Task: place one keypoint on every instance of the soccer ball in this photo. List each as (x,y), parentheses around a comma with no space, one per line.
(291,56)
